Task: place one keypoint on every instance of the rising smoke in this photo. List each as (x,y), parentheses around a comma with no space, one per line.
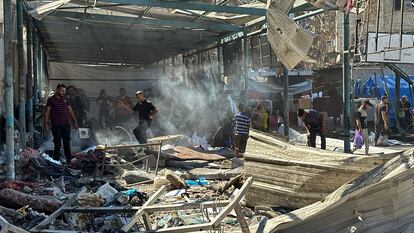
(193,103)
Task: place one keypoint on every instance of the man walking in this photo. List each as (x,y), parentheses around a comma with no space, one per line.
(60,111)
(314,124)
(146,112)
(381,118)
(361,123)
(241,130)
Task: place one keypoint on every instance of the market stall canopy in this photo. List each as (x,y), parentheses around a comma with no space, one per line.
(138,31)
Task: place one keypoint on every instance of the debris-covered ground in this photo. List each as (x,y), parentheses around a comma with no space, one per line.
(184,186)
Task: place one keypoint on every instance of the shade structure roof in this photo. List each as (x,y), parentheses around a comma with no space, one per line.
(138,31)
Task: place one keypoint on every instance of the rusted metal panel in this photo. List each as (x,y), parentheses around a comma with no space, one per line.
(289,41)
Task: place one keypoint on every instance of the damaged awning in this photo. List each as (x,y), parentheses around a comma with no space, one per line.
(264,87)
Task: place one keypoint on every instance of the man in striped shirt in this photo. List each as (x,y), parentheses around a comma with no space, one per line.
(60,111)
(241,130)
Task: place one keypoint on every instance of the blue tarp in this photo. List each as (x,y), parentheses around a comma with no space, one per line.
(376,86)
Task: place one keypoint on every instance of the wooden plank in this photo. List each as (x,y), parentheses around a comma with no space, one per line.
(186,153)
(58,212)
(217,221)
(133,145)
(140,212)
(233,202)
(243,224)
(148,209)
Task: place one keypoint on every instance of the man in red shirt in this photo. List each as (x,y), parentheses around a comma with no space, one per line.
(123,105)
(58,108)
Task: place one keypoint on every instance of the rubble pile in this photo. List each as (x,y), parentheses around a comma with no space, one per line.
(197,188)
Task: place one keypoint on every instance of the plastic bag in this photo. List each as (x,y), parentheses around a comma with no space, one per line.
(358,140)
(201,182)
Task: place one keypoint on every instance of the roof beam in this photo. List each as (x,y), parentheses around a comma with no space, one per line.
(178,24)
(193,6)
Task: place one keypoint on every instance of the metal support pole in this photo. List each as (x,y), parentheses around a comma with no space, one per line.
(286,101)
(35,67)
(30,80)
(8,87)
(246,63)
(164,73)
(199,62)
(346,85)
(184,72)
(173,67)
(40,68)
(21,74)
(377,23)
(358,22)
(402,23)
(219,62)
(397,98)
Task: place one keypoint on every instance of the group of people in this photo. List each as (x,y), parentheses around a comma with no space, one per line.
(66,109)
(62,116)
(314,122)
(80,104)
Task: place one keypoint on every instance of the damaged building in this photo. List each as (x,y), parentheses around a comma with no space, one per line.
(206,116)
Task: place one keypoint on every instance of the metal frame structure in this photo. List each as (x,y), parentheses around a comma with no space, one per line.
(147,208)
(104,164)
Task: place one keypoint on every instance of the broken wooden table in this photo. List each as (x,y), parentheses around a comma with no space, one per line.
(148,208)
(234,204)
(105,164)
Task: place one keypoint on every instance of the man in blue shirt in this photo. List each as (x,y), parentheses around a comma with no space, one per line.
(241,129)
(314,125)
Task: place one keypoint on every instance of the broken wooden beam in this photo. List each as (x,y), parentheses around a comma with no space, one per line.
(140,212)
(148,209)
(39,227)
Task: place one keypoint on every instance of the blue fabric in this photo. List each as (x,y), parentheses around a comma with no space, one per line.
(375,87)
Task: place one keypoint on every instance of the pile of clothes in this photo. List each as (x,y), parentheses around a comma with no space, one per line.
(32,161)
(86,160)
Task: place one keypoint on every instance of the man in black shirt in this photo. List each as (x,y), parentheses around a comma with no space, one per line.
(381,118)
(146,111)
